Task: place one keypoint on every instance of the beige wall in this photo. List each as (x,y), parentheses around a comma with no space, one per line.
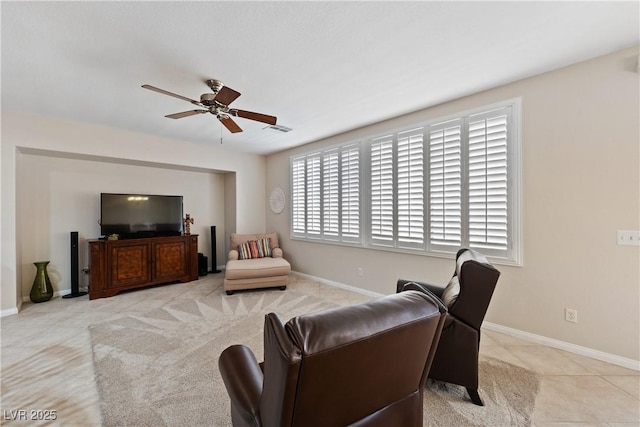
(90,154)
(580,184)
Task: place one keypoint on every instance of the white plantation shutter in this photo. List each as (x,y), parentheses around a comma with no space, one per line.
(331,194)
(382,184)
(350,203)
(298,196)
(445,184)
(325,189)
(431,188)
(488,189)
(410,176)
(313,195)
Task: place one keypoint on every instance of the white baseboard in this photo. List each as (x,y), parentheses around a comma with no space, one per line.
(339,285)
(9,311)
(571,348)
(539,339)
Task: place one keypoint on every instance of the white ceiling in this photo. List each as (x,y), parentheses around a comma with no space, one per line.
(322,68)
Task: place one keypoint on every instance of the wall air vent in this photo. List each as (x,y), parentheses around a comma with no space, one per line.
(279,128)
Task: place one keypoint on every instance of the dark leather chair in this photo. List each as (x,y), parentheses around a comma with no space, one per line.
(362,365)
(456,359)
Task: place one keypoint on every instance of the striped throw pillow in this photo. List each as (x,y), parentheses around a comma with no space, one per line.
(255,249)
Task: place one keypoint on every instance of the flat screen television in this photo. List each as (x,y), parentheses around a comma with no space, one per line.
(140,215)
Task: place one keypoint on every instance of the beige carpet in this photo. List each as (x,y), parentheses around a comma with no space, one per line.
(160,368)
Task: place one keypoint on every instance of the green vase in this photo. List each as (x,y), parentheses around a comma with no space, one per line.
(41,290)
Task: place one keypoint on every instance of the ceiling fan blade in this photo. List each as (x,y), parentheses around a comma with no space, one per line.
(271,120)
(226,95)
(186,114)
(230,124)
(175,95)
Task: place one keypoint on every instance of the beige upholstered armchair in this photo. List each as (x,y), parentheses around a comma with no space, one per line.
(255,261)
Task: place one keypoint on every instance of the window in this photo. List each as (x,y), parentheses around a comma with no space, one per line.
(350,203)
(397,190)
(326,194)
(428,189)
(313,195)
(331,194)
(410,176)
(445,184)
(382,184)
(488,189)
(298,196)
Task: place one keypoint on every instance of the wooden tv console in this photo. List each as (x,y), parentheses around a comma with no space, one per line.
(118,265)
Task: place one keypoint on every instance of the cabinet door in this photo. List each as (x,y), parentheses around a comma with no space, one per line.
(129,265)
(170,260)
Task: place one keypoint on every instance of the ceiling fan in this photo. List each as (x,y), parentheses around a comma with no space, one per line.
(217,103)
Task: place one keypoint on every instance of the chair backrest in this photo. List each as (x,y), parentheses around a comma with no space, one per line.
(477,279)
(364,364)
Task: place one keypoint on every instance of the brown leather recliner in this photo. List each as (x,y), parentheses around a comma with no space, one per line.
(362,365)
(467,298)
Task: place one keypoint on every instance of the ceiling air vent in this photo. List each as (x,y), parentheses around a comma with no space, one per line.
(279,128)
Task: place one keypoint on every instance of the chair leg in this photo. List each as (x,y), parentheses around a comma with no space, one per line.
(475,397)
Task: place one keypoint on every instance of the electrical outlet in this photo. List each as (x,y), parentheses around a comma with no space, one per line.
(629,237)
(360,271)
(571,315)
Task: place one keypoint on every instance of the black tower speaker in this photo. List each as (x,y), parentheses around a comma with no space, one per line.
(75,270)
(214,267)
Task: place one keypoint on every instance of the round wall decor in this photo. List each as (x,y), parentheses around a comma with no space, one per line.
(276,200)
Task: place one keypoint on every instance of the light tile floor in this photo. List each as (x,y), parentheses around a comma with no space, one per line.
(46,361)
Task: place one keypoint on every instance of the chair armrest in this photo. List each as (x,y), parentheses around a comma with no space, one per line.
(233,255)
(276,253)
(243,379)
(421,286)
